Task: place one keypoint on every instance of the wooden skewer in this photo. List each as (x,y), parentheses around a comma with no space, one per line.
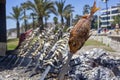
(65,67)
(45,73)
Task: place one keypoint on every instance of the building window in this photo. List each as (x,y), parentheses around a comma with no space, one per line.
(114,11)
(105,18)
(106,13)
(105,23)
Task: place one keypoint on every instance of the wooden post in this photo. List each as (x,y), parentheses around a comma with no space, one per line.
(3,36)
(65,67)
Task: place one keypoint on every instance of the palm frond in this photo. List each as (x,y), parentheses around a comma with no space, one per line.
(16,14)
(9,17)
(32,6)
(68,8)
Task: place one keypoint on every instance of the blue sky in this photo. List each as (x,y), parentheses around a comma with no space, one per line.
(78,7)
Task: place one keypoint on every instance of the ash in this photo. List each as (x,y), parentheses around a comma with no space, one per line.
(95,64)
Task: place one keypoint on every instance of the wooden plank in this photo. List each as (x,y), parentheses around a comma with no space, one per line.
(2,1)
(2,48)
(3,37)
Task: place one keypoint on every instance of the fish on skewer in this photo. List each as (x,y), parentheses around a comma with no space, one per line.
(80,32)
(78,36)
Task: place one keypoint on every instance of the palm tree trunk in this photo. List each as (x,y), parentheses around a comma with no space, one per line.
(3,37)
(33,22)
(62,20)
(18,29)
(68,22)
(40,22)
(45,22)
(25,21)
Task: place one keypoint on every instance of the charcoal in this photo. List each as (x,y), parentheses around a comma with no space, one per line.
(94,64)
(75,62)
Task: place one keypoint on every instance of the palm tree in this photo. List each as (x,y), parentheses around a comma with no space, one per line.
(77,17)
(116,19)
(68,15)
(24,7)
(94,22)
(61,9)
(86,9)
(55,19)
(16,15)
(33,19)
(46,19)
(41,8)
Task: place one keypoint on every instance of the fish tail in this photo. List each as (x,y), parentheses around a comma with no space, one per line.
(94,9)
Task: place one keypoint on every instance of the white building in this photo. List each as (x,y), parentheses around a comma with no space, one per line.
(112,11)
